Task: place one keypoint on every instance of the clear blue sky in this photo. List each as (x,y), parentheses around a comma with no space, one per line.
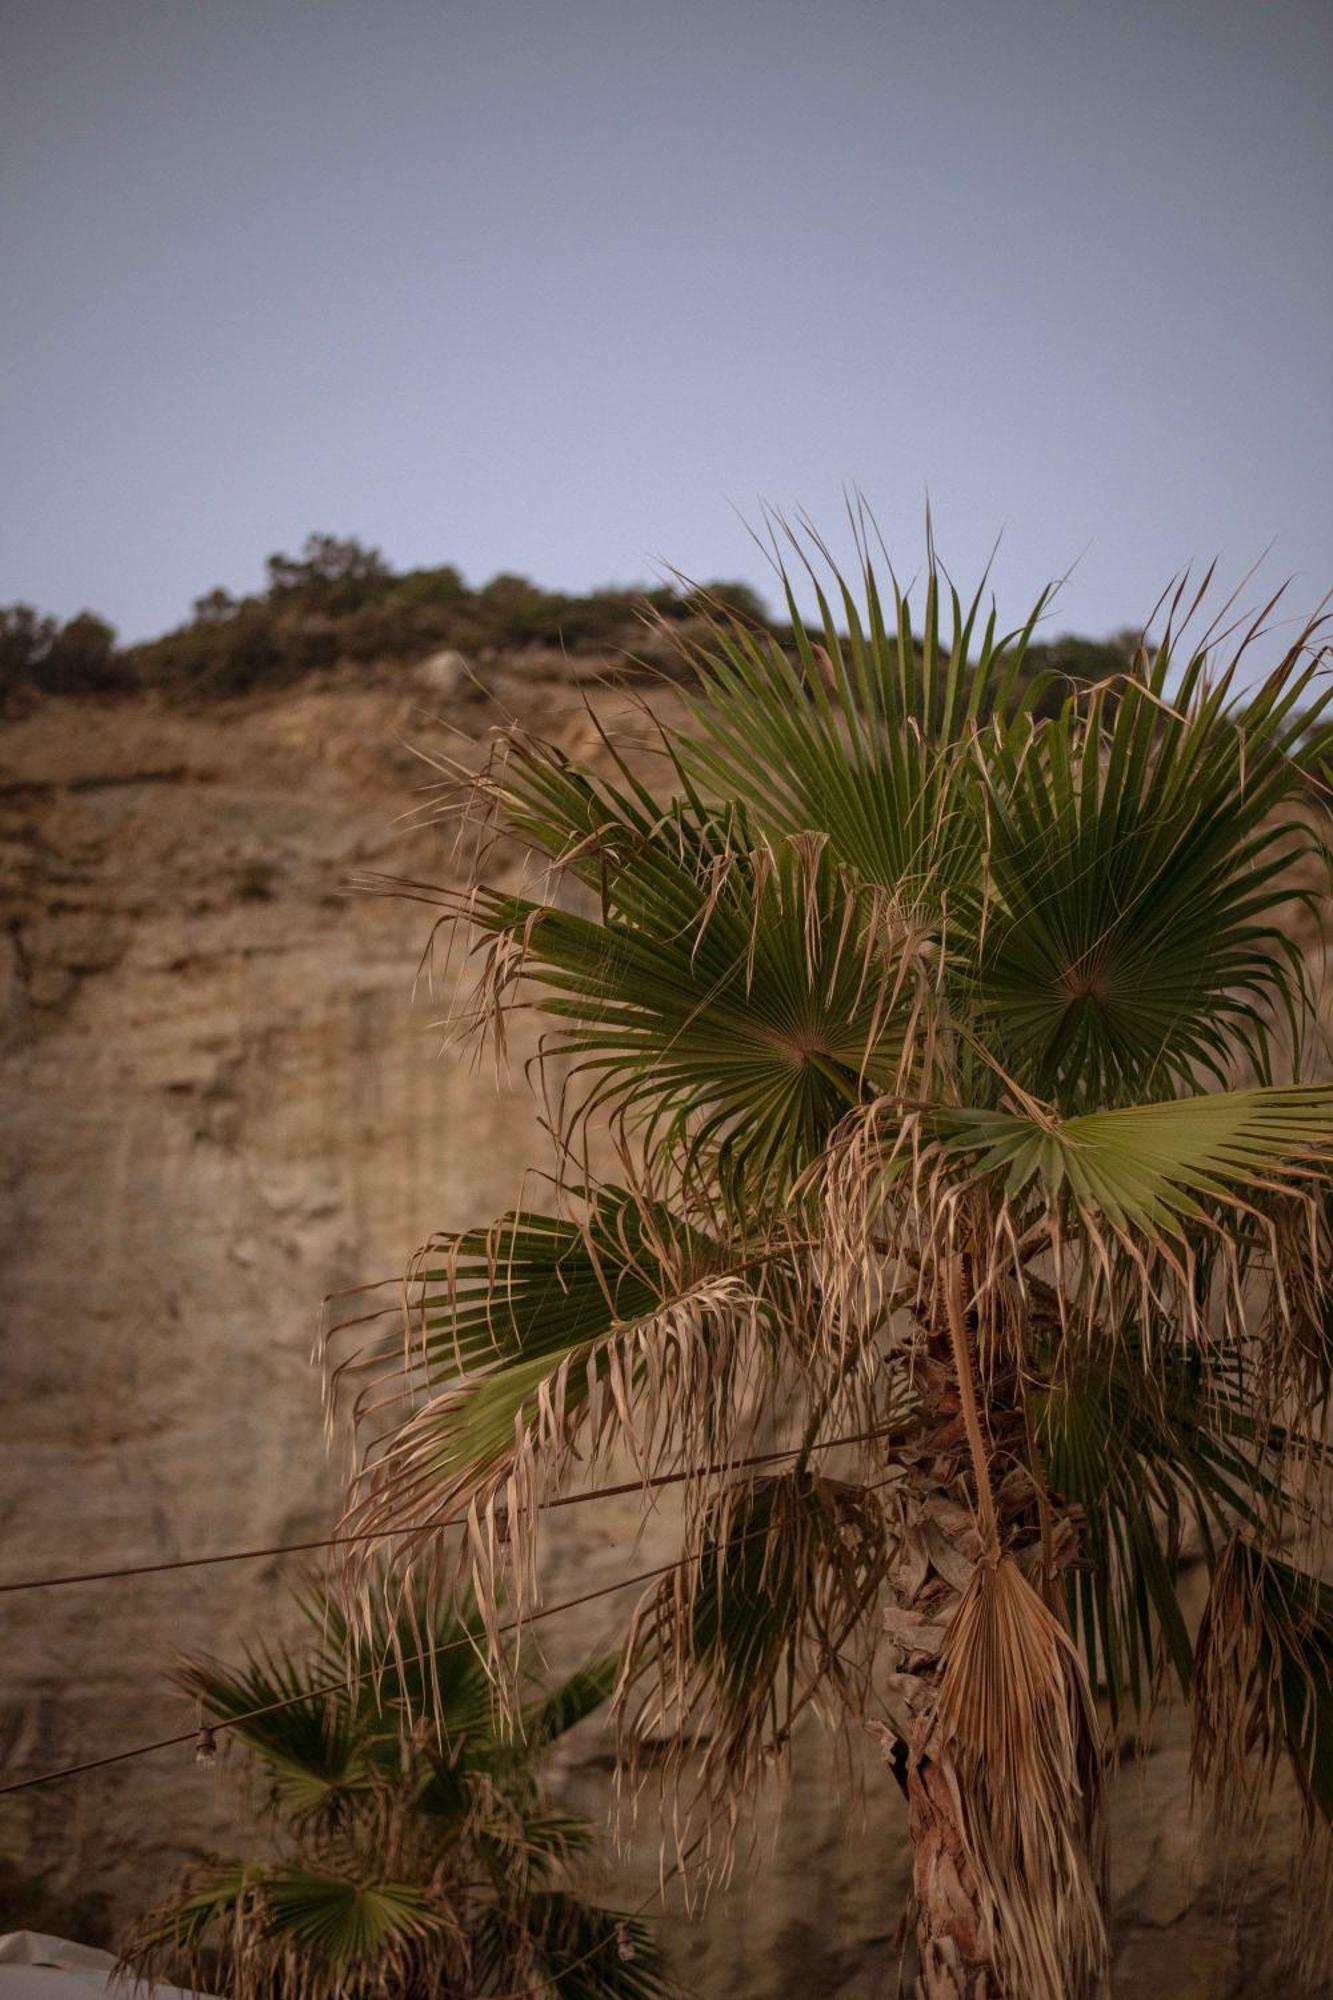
(553,285)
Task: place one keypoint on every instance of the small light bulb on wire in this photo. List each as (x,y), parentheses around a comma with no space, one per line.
(205,1742)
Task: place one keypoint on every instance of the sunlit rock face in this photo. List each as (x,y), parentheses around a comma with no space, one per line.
(221,1101)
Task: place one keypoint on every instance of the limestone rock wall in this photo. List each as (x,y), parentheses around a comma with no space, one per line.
(219,1102)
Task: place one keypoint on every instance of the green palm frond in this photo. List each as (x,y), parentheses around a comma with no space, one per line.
(290,1929)
(772,1603)
(738,995)
(571,1703)
(413,1651)
(762,1567)
(316,1753)
(530,1848)
(1142,860)
(541,1330)
(1145,1451)
(862,736)
(332,1737)
(1154,1168)
(343,1927)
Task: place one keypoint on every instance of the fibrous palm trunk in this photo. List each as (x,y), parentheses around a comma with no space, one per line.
(946,1545)
(954,1946)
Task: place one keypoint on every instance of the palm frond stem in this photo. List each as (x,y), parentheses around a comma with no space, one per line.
(967,1393)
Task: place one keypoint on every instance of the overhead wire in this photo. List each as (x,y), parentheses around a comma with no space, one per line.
(422,1528)
(351,1680)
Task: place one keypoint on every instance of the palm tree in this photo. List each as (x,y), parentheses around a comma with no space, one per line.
(414,1853)
(937,1022)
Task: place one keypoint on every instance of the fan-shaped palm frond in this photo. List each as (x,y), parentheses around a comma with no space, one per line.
(626,1323)
(310,1932)
(316,1755)
(339,1932)
(861,735)
(1141,877)
(730,995)
(1154,1168)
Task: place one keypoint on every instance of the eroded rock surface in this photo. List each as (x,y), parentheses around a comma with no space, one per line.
(220,1102)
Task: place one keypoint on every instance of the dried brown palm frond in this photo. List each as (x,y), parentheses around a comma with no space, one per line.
(1296,1337)
(1016,1729)
(1183,1218)
(770,1611)
(1263,1670)
(537,1350)
(1308,1939)
(1262,1698)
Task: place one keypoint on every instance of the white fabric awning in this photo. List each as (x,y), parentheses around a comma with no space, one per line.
(36,1967)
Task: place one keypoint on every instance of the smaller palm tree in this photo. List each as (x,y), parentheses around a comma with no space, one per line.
(414,1851)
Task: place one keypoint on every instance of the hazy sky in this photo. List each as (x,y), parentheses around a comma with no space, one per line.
(554,285)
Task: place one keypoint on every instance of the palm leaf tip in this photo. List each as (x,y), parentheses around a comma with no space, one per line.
(571,1703)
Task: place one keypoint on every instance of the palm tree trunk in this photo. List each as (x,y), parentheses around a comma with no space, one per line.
(952,1933)
(954,1913)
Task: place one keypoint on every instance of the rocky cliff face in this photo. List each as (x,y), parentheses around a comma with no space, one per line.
(220,1102)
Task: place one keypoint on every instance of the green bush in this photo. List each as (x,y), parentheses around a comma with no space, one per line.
(25,640)
(38,655)
(83,658)
(444,585)
(215,607)
(339,601)
(331,574)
